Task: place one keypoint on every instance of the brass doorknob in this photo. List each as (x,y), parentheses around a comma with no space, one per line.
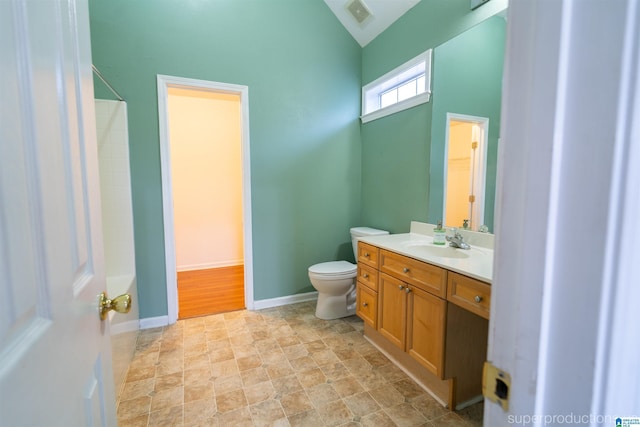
(121,304)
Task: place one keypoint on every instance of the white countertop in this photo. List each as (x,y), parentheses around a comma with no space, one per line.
(476,262)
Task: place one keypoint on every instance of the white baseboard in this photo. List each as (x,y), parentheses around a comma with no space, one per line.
(122,327)
(290,299)
(159,321)
(206,266)
(154,322)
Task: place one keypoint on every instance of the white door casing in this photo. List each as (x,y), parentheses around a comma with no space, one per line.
(164,83)
(479,173)
(55,355)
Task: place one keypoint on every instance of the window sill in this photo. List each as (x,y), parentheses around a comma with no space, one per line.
(395,108)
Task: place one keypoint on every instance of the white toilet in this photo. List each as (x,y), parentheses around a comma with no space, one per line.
(335,281)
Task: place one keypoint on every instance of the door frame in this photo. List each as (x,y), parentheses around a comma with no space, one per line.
(164,83)
(480,172)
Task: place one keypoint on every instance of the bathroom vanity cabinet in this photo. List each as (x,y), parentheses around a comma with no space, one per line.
(430,321)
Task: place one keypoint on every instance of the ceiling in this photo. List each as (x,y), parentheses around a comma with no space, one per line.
(374,16)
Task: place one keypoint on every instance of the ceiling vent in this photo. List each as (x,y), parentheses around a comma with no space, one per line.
(359,11)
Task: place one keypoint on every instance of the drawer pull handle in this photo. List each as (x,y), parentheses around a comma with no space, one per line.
(366,254)
(405,270)
(365,275)
(400,287)
(478,298)
(407,289)
(364,304)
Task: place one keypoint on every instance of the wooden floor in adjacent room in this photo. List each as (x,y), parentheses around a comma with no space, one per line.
(210,291)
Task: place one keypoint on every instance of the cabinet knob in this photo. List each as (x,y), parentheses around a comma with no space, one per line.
(365,275)
(364,304)
(400,287)
(366,254)
(405,270)
(407,289)
(478,298)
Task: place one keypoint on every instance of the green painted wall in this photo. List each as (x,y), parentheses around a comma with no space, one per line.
(303,71)
(467,79)
(396,150)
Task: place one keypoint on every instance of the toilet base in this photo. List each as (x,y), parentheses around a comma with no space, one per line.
(331,307)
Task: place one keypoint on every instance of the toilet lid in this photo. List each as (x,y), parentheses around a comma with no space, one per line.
(333,267)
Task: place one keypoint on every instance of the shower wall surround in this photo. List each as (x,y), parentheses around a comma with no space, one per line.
(117,227)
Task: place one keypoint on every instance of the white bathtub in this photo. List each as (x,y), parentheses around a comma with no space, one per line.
(124,327)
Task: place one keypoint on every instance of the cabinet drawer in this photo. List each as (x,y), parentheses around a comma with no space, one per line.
(367,305)
(368,254)
(470,294)
(425,276)
(368,276)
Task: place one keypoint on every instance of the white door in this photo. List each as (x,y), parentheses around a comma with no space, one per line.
(55,357)
(564,298)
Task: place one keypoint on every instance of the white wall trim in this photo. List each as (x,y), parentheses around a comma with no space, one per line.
(164,83)
(204,266)
(154,322)
(160,321)
(122,327)
(480,174)
(290,299)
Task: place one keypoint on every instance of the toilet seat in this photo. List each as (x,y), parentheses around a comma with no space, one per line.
(333,269)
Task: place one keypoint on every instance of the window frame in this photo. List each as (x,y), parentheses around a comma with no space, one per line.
(395,78)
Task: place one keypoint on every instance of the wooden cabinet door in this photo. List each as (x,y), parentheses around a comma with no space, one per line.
(392,309)
(367,304)
(426,317)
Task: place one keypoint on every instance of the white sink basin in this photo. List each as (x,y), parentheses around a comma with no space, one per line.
(445,251)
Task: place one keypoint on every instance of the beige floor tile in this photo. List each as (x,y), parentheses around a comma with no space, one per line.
(266,413)
(295,403)
(278,367)
(168,381)
(237,418)
(220,369)
(303,363)
(259,392)
(322,394)
(306,419)
(231,401)
(134,408)
(335,371)
(286,385)
(347,386)
(386,395)
(377,419)
(248,362)
(226,384)
(335,413)
(134,389)
(405,415)
(198,391)
(167,398)
(192,375)
(167,417)
(428,407)
(311,377)
(361,404)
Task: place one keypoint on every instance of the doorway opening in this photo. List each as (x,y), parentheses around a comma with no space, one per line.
(204,146)
(465,170)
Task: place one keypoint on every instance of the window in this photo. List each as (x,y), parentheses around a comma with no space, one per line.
(405,87)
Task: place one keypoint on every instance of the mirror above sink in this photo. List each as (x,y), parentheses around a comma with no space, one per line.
(467,88)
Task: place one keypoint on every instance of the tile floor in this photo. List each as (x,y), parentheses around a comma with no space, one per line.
(280,366)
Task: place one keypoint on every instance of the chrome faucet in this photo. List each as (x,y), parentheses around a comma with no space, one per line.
(457,240)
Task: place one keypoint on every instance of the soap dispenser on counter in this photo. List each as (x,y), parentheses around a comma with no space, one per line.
(439,234)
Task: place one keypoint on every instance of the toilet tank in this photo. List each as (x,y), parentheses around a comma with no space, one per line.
(361,232)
